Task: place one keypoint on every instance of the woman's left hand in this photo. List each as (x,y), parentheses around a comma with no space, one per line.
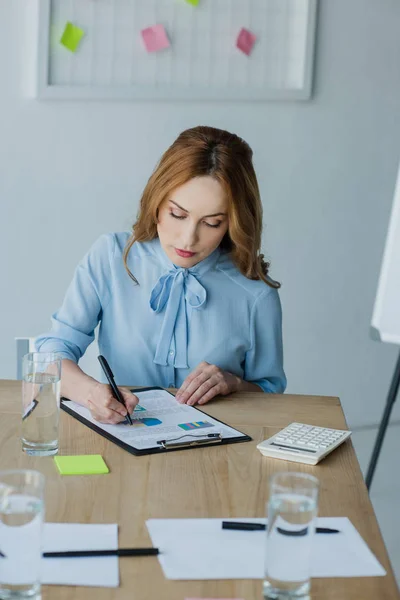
(206,382)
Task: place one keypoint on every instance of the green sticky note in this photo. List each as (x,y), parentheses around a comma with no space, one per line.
(71,37)
(193,2)
(89,464)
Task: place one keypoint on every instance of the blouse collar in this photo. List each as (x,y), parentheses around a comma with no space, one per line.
(176,290)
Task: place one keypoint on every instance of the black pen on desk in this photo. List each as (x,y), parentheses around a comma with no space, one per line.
(110,378)
(115,552)
(246,526)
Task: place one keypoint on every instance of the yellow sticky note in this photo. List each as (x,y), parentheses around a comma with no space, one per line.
(71,37)
(193,2)
(89,464)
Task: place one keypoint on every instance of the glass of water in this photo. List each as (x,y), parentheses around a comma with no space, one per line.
(21,524)
(292,511)
(40,403)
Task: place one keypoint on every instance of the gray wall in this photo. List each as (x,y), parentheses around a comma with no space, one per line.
(327,168)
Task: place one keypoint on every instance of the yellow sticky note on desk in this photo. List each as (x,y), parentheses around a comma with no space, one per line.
(71,37)
(88,464)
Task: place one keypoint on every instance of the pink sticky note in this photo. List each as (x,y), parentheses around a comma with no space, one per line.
(245,41)
(155,38)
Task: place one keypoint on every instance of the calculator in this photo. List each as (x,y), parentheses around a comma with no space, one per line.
(303,443)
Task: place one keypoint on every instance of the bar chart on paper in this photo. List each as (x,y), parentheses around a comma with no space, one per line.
(216,49)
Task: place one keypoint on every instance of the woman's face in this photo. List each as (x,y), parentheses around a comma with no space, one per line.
(193,221)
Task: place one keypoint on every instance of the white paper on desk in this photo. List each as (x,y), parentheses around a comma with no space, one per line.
(99,571)
(201,549)
(158,406)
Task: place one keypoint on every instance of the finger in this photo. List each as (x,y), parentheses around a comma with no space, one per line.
(130,399)
(104,415)
(105,401)
(112,403)
(101,400)
(214,391)
(193,386)
(202,390)
(208,372)
(200,367)
(186,383)
(116,407)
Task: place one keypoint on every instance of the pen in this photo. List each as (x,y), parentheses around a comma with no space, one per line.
(243,526)
(116,552)
(29,409)
(110,378)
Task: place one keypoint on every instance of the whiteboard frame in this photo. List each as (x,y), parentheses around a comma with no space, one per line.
(45,90)
(377,331)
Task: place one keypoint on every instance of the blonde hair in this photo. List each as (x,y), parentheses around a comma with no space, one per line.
(227,158)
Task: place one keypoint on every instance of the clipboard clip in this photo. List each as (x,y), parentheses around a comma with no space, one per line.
(210,438)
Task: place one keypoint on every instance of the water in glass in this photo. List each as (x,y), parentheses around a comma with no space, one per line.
(292,511)
(41,398)
(21,521)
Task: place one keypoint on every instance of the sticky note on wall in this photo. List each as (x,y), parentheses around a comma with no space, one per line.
(155,38)
(245,41)
(193,2)
(71,37)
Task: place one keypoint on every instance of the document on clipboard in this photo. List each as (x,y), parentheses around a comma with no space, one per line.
(160,424)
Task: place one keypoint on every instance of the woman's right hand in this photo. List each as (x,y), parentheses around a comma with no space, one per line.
(105,408)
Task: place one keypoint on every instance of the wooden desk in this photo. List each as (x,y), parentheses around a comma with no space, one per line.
(228,481)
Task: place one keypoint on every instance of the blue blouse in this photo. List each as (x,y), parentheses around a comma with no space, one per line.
(155,333)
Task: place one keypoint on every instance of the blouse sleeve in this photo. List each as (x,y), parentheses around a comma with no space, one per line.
(74,323)
(264,359)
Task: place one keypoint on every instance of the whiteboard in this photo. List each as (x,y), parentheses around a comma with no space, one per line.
(385,324)
(202,61)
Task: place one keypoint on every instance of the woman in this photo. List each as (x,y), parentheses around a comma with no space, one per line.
(185,300)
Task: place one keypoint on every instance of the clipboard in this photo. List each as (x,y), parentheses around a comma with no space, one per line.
(179,440)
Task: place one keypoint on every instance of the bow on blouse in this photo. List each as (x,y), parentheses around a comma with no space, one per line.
(176,290)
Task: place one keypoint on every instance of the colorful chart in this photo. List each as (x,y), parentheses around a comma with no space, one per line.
(146,421)
(195,425)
